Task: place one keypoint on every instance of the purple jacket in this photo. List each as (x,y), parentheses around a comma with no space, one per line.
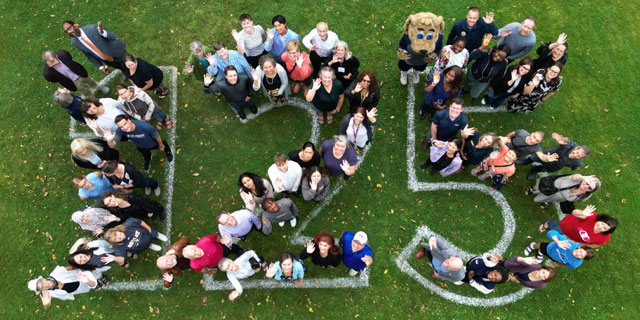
(438,152)
(520,267)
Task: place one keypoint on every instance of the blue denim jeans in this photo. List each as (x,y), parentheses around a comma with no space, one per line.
(238,107)
(554,225)
(495,100)
(474,86)
(148,182)
(160,115)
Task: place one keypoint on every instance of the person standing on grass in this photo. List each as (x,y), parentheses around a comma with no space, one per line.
(585,227)
(99,45)
(278,37)
(476,146)
(483,273)
(567,154)
(236,88)
(60,68)
(552,53)
(445,260)
(357,125)
(315,184)
(487,66)
(249,40)
(95,220)
(363,92)
(101,114)
(527,272)
(273,79)
(288,269)
(441,90)
(339,156)
(92,153)
(508,86)
(298,66)
(563,252)
(444,157)
(323,251)
(524,143)
(125,205)
(197,62)
(172,263)
(278,212)
(133,237)
(70,103)
(207,252)
(473,29)
(143,135)
(306,157)
(236,224)
(246,265)
(543,85)
(224,58)
(564,189)
(145,76)
(344,64)
(519,37)
(327,95)
(320,41)
(356,254)
(139,105)
(124,176)
(446,123)
(285,175)
(499,166)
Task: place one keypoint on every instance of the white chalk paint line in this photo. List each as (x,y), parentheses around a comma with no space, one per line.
(414,185)
(403,264)
(169,173)
(297,238)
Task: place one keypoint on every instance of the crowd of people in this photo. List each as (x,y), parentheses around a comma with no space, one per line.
(275,60)
(453,145)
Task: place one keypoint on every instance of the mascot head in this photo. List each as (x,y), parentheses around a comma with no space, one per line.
(423,29)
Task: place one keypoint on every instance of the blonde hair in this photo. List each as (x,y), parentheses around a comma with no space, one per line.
(293,45)
(111,233)
(80,143)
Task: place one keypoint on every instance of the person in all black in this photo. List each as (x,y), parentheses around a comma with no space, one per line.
(124,176)
(126,205)
(323,251)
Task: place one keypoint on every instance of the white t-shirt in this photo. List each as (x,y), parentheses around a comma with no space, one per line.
(112,109)
(290,179)
(253,44)
(455,59)
(324,48)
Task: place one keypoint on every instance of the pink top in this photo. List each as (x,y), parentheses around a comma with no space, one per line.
(498,162)
(297,73)
(212,253)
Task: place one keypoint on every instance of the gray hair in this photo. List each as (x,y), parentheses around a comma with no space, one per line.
(196,46)
(343,44)
(48,56)
(341,138)
(221,263)
(327,69)
(63,99)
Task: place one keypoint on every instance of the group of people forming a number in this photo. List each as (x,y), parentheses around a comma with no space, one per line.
(274,61)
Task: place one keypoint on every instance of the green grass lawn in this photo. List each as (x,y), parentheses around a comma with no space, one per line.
(596,106)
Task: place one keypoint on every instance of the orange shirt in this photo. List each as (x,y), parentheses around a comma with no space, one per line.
(507,170)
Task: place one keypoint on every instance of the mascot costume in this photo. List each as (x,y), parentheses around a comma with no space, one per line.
(420,44)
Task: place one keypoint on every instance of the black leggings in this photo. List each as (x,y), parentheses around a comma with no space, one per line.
(146,153)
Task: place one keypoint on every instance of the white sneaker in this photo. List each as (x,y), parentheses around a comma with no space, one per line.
(147,190)
(161,237)
(416,77)
(281,224)
(155,247)
(352,273)
(157,191)
(293,222)
(484,103)
(458,283)
(104,89)
(403,78)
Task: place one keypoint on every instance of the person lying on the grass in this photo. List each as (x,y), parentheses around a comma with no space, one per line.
(92,186)
(133,237)
(95,220)
(207,252)
(585,227)
(445,260)
(289,268)
(172,263)
(278,212)
(529,273)
(243,267)
(561,251)
(565,189)
(63,283)
(127,205)
(483,273)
